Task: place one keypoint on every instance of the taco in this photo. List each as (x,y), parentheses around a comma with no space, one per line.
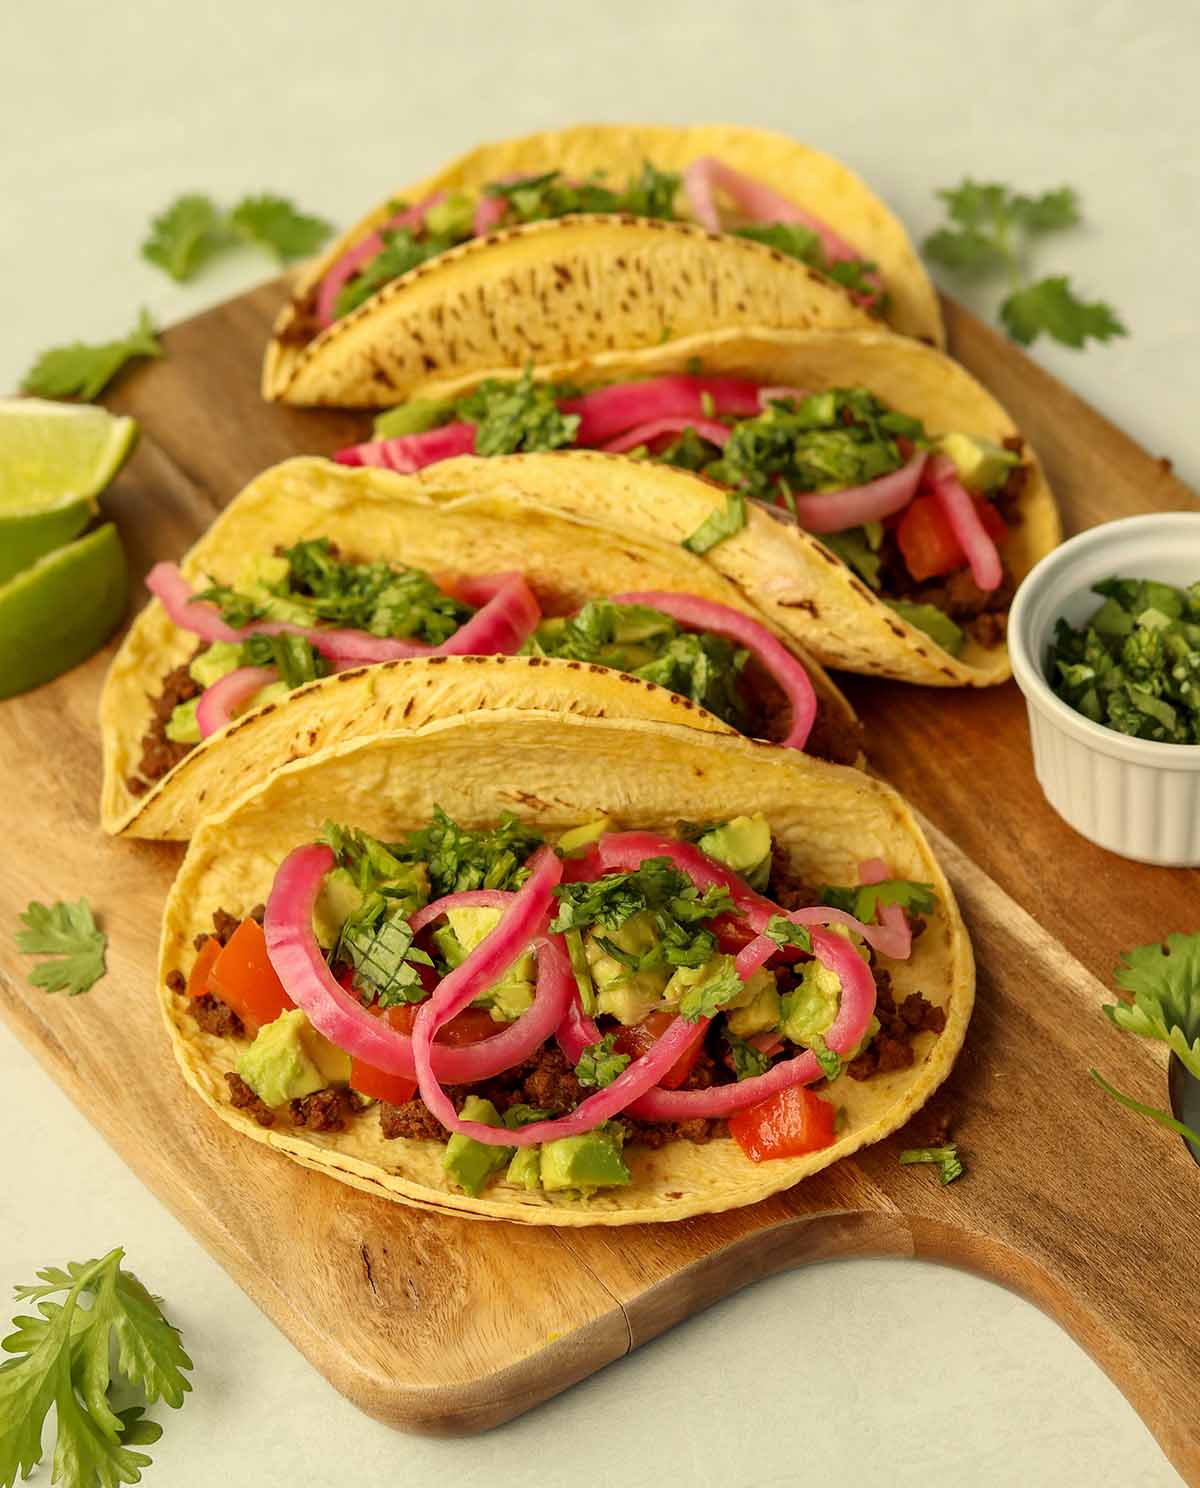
(881,505)
(562,970)
(289,626)
(575,242)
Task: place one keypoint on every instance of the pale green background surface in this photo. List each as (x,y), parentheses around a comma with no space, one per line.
(865,1374)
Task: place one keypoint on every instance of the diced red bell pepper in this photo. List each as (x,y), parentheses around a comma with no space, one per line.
(197,985)
(789,1124)
(244,979)
(927,541)
(640,1038)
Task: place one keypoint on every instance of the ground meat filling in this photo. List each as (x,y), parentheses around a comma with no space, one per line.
(324,1110)
(892,1046)
(209,1011)
(768,715)
(241,1096)
(160,754)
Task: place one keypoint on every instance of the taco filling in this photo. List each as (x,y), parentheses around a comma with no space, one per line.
(535,1008)
(708,192)
(305,611)
(919,519)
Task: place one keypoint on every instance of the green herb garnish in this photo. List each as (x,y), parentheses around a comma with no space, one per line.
(600,1064)
(84,371)
(64,1358)
(193,230)
(863,901)
(946,1158)
(517,416)
(992,228)
(724,522)
(67,935)
(1134,665)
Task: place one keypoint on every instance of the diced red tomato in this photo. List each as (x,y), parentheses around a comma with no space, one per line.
(470,1026)
(367,1080)
(927,540)
(640,1038)
(785,1125)
(197,985)
(244,979)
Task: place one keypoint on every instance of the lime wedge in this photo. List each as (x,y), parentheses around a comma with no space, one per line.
(54,460)
(60,610)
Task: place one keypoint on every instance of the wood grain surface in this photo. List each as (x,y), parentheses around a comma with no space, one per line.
(444,1325)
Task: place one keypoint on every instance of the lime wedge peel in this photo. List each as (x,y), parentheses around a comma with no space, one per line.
(61,610)
(54,460)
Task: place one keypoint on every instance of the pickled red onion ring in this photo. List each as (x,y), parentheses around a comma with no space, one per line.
(219,702)
(853,1016)
(576,1032)
(890,916)
(834,511)
(490,212)
(359,254)
(644,433)
(704,177)
(955,501)
(607,411)
(300,965)
(772,655)
(408,453)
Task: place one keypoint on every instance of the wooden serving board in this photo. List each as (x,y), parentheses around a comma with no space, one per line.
(428,1322)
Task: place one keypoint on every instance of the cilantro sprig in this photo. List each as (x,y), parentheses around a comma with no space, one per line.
(1163,981)
(600,1064)
(67,935)
(84,369)
(63,1357)
(192,230)
(863,901)
(992,228)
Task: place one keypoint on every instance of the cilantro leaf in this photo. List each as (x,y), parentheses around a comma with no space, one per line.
(275,223)
(1165,982)
(517,416)
(747,1060)
(965,248)
(600,1064)
(863,901)
(64,1358)
(83,370)
(185,236)
(67,933)
(1045,213)
(719,524)
(946,1158)
(1051,305)
(785,933)
(377,940)
(829,1060)
(709,995)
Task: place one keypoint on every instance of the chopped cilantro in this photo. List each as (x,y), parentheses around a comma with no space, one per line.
(747,1060)
(864,900)
(84,371)
(785,933)
(67,935)
(517,416)
(985,235)
(946,1159)
(1134,665)
(801,242)
(458,859)
(651,193)
(296,659)
(402,251)
(600,1064)
(648,644)
(724,522)
(830,1062)
(706,998)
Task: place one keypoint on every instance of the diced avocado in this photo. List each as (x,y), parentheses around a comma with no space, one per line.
(267,694)
(936,624)
(221,658)
(513,993)
(758,1011)
(525,1170)
(812,1005)
(981,464)
(259,577)
(470,1163)
(580,837)
(624,994)
(340,896)
(417,416)
(182,727)
(453,216)
(743,844)
(592,1160)
(289,1059)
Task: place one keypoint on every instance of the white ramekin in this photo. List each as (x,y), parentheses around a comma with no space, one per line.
(1133,796)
